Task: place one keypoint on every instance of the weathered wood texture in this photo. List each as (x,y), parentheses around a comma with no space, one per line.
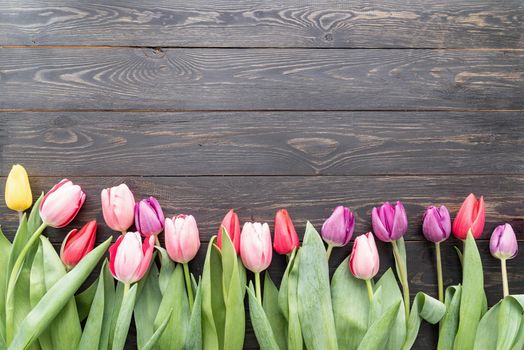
(267,143)
(267,79)
(246,23)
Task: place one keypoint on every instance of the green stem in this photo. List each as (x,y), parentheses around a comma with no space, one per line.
(439,273)
(505,286)
(17,267)
(329,250)
(257,286)
(188,285)
(403,277)
(20,216)
(157,241)
(370,290)
(126,288)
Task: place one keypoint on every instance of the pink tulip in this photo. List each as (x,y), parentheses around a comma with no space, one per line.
(118,207)
(364,261)
(77,244)
(255,246)
(61,204)
(129,259)
(149,218)
(232,225)
(503,243)
(182,238)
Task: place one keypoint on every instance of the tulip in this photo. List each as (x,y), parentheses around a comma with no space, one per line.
(149,218)
(338,228)
(471,215)
(18,195)
(256,250)
(129,259)
(77,244)
(118,207)
(61,204)
(364,261)
(503,245)
(286,238)
(232,225)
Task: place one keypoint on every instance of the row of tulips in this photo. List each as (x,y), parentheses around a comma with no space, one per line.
(174,310)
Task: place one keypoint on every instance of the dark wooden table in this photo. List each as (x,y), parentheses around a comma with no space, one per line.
(254,105)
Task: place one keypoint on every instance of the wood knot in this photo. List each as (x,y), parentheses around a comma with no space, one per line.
(314,146)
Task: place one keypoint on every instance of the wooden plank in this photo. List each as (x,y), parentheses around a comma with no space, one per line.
(246,23)
(307,198)
(267,79)
(269,143)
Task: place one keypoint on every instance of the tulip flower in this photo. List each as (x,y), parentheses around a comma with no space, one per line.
(503,246)
(18,195)
(77,244)
(286,238)
(471,215)
(118,207)
(364,261)
(182,243)
(232,226)
(129,259)
(256,250)
(61,204)
(390,223)
(149,218)
(338,228)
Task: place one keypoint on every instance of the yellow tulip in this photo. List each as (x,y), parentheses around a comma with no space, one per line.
(17,189)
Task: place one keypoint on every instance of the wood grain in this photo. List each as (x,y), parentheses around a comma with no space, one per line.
(268,143)
(246,23)
(248,79)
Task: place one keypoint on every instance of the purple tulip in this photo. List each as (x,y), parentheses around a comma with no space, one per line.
(437,224)
(503,242)
(149,218)
(389,221)
(338,228)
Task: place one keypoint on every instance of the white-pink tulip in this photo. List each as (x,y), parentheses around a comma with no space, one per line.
(129,259)
(61,204)
(255,246)
(364,261)
(118,207)
(182,238)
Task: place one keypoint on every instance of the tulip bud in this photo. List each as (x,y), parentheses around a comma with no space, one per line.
(436,224)
(503,243)
(149,218)
(389,221)
(364,261)
(118,207)
(17,189)
(255,246)
(182,238)
(77,244)
(61,204)
(471,215)
(286,238)
(338,228)
(232,226)
(129,259)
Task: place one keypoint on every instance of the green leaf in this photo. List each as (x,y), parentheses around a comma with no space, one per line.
(109,302)
(5,249)
(314,309)
(124,318)
(93,326)
(294,331)
(424,308)
(166,269)
(34,220)
(510,315)
(85,299)
(274,314)
(391,295)
(449,324)
(146,306)
(472,298)
(264,333)
(117,303)
(55,299)
(151,343)
(379,331)
(350,307)
(194,332)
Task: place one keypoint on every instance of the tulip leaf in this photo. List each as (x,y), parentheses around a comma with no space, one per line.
(55,299)
(449,323)
(473,298)
(350,307)
(274,314)
(509,317)
(391,295)
(34,220)
(288,302)
(264,333)
(424,308)
(194,332)
(166,269)
(5,248)
(147,305)
(151,343)
(117,303)
(84,300)
(109,301)
(93,327)
(124,318)
(313,291)
(378,333)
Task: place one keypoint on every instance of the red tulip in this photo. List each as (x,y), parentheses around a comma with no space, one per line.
(286,238)
(471,215)
(77,244)
(61,204)
(232,226)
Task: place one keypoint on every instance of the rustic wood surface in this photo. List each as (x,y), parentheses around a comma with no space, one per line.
(257,105)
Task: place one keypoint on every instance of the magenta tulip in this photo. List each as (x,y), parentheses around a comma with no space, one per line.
(503,243)
(338,228)
(77,244)
(364,261)
(255,246)
(129,259)
(182,238)
(436,224)
(149,218)
(118,207)
(389,221)
(61,204)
